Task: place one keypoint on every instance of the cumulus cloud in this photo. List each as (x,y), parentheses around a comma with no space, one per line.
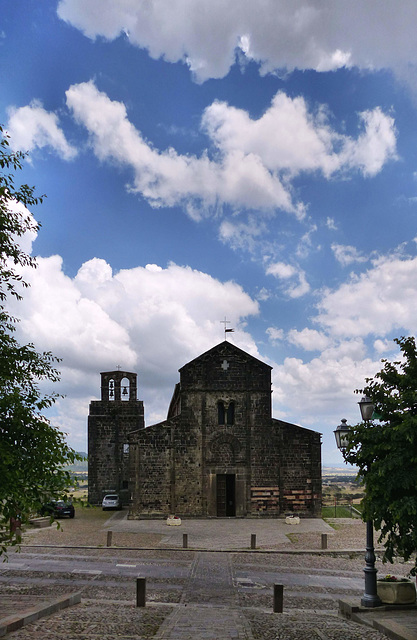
(323,384)
(253,160)
(26,240)
(381,300)
(275,335)
(147,319)
(346,254)
(279,34)
(32,127)
(308,339)
(290,137)
(357,323)
(286,272)
(166,178)
(242,235)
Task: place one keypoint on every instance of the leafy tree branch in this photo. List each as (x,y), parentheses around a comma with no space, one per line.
(33,453)
(385,451)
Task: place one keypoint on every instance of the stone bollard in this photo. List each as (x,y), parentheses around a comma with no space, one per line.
(185,540)
(140,592)
(278,598)
(324,540)
(109,537)
(253,541)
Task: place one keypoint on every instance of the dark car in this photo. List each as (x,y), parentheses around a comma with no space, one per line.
(58,509)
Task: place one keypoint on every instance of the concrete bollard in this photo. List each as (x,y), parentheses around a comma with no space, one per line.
(185,540)
(140,592)
(253,541)
(324,540)
(278,598)
(109,538)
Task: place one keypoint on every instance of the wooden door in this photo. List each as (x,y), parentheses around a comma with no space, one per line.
(226,495)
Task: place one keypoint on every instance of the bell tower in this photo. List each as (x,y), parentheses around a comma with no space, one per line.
(110,421)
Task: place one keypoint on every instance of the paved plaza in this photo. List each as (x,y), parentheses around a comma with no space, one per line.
(216,589)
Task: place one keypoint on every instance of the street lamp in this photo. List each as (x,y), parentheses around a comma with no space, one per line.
(370,598)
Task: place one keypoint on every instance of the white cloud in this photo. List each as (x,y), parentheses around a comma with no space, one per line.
(32,127)
(330,224)
(166,178)
(379,301)
(279,34)
(148,319)
(281,270)
(374,146)
(308,339)
(346,255)
(26,240)
(324,386)
(73,326)
(275,335)
(382,346)
(287,272)
(290,137)
(242,235)
(253,160)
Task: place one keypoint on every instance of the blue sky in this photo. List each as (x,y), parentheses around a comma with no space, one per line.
(204,160)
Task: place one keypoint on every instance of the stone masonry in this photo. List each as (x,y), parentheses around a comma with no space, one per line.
(110,421)
(220,453)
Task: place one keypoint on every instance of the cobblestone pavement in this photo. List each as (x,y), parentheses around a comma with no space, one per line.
(190,594)
(222,596)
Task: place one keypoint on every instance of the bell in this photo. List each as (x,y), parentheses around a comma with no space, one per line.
(124,392)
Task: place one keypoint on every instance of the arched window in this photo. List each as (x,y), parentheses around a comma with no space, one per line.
(125,389)
(231,413)
(221,414)
(111,389)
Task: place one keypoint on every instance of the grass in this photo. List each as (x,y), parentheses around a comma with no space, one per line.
(336,512)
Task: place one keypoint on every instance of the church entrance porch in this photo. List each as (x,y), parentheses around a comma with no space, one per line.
(226,495)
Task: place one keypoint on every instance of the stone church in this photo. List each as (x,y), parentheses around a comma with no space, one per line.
(219,453)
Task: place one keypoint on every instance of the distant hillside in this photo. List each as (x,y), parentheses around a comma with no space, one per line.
(79,465)
(334,470)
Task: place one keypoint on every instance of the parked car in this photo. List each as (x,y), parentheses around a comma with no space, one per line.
(111,501)
(58,509)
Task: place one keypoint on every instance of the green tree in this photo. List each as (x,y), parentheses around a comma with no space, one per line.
(385,451)
(33,453)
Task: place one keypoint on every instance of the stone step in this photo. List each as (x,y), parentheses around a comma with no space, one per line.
(40,522)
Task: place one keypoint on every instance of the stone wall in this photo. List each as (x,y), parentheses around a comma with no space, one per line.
(220,452)
(300,470)
(109,425)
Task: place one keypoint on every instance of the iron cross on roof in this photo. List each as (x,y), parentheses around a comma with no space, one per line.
(226,330)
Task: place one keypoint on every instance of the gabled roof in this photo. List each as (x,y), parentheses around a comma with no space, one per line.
(225,348)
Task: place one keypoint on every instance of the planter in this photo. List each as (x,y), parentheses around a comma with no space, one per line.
(173,521)
(292,520)
(400,592)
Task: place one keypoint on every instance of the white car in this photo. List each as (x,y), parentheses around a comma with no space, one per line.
(111,501)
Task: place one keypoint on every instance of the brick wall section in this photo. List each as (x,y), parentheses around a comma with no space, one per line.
(109,425)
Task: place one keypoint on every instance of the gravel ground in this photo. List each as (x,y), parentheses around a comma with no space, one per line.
(87,529)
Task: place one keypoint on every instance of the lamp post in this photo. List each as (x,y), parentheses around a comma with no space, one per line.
(370,598)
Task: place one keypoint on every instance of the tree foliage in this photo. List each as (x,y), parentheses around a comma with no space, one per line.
(385,451)
(33,453)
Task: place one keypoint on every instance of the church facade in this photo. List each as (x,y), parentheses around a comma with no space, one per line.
(219,453)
